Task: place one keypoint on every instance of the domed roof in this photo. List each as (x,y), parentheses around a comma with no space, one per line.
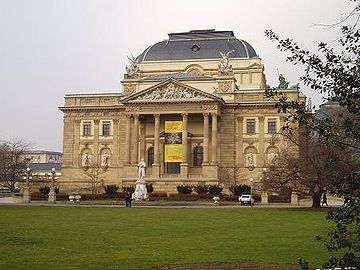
(198,44)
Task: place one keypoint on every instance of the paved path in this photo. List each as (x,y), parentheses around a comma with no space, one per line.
(17,200)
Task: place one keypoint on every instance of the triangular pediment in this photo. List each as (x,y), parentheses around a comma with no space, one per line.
(170,91)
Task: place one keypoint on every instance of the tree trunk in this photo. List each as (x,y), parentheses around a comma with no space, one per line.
(316,199)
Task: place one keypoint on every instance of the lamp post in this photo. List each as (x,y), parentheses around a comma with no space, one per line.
(52,193)
(251,198)
(26,193)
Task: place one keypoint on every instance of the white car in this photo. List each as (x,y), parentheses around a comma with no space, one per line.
(246,199)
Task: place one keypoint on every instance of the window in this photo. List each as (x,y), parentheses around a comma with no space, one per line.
(87,129)
(150,156)
(106,128)
(198,156)
(250,126)
(272,126)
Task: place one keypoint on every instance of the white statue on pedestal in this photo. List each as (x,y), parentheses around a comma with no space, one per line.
(140,189)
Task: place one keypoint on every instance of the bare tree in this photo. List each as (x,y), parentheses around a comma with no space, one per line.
(311,172)
(12,163)
(93,173)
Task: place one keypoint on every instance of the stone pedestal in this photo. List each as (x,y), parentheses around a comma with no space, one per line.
(156,170)
(52,196)
(140,190)
(184,170)
(294,199)
(264,198)
(26,195)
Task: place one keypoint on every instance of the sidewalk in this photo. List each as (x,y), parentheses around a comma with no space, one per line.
(17,200)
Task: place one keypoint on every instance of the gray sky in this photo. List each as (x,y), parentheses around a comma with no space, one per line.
(50,48)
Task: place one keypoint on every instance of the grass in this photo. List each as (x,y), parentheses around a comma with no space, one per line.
(140,238)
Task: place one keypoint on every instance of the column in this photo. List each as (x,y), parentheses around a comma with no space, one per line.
(115,128)
(96,141)
(156,165)
(135,137)
(214,135)
(184,166)
(127,139)
(206,138)
(77,155)
(142,139)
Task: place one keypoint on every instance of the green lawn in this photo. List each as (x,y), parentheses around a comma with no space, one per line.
(138,238)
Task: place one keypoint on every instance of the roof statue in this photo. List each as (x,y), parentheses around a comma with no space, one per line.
(283,83)
(134,66)
(309,106)
(225,66)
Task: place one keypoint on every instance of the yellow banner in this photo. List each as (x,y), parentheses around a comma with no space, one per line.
(173,152)
(173,126)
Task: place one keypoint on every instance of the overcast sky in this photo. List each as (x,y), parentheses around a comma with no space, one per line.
(51,48)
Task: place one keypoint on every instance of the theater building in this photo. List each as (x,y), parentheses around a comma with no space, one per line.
(192,106)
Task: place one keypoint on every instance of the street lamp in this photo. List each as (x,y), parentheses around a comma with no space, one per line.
(26,193)
(251,198)
(52,193)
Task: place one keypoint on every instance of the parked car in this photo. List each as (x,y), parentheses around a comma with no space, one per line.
(246,199)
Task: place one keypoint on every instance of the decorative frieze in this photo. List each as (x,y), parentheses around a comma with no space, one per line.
(224,86)
(129,88)
(172,91)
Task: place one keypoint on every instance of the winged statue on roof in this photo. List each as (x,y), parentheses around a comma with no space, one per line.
(134,66)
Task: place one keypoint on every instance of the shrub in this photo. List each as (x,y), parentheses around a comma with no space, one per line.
(149,188)
(201,189)
(238,190)
(46,190)
(158,195)
(129,189)
(215,190)
(184,189)
(111,189)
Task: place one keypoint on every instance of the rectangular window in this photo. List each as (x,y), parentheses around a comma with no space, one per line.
(272,126)
(87,128)
(106,128)
(250,126)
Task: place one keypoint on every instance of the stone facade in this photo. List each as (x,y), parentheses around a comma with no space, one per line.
(228,124)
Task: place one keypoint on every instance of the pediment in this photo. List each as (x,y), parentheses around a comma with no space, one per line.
(170,91)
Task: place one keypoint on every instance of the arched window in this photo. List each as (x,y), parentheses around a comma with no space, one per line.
(198,155)
(150,156)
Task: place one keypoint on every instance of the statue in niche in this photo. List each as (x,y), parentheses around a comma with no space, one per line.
(224,66)
(250,160)
(134,66)
(86,159)
(272,158)
(105,160)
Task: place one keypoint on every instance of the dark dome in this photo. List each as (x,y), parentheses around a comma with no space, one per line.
(198,44)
